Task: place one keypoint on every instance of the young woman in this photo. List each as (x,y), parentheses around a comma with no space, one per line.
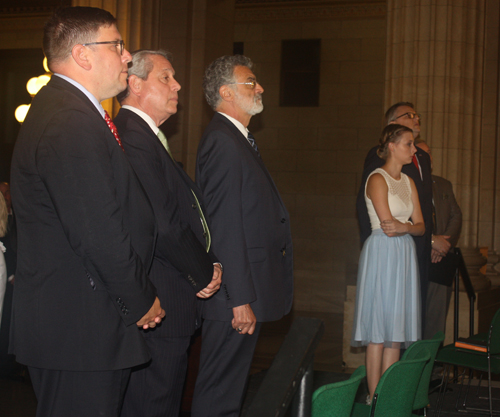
(387,312)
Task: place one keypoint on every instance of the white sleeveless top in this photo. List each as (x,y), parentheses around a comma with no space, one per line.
(400,202)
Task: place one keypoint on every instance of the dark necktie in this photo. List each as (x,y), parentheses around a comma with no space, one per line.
(112,127)
(251,139)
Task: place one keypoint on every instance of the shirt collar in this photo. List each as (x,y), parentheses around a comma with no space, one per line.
(89,95)
(238,124)
(143,116)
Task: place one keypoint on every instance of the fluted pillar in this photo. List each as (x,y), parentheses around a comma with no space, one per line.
(435,58)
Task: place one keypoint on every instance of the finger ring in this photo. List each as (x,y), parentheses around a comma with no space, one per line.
(239,329)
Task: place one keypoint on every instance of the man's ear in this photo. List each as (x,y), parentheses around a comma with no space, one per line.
(135,85)
(226,93)
(81,56)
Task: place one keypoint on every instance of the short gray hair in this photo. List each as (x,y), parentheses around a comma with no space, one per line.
(141,65)
(219,73)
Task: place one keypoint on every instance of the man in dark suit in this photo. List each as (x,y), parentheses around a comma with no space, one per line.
(445,234)
(86,229)
(403,113)
(251,236)
(182,255)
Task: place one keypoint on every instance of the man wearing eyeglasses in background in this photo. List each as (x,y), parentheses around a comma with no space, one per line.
(404,113)
(86,229)
(250,235)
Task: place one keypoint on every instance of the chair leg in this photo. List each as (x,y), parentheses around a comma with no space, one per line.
(442,389)
(464,404)
(461,387)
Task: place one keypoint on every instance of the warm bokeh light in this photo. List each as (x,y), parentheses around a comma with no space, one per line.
(21,112)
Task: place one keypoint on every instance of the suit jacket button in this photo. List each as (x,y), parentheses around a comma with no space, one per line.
(194,206)
(284,252)
(283,220)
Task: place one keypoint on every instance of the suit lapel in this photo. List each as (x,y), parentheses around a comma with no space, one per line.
(162,151)
(244,142)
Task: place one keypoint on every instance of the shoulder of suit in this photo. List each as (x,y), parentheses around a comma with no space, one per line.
(440,180)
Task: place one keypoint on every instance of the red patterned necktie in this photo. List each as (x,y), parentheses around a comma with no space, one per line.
(415,162)
(112,127)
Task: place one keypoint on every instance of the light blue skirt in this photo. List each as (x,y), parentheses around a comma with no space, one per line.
(388,292)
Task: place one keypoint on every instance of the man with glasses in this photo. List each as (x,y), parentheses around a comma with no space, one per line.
(250,235)
(86,229)
(404,113)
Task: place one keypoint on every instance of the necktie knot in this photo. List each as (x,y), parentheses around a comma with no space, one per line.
(113,129)
(251,140)
(164,142)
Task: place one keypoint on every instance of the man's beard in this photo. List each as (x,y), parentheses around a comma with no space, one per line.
(253,108)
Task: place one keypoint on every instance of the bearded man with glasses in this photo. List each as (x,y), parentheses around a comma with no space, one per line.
(250,234)
(419,170)
(86,229)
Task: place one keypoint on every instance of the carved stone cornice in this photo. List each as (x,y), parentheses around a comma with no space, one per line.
(266,10)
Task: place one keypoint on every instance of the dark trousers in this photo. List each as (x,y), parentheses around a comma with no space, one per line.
(155,388)
(225,362)
(79,394)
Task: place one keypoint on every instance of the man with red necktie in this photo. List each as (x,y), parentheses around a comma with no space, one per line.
(86,229)
(404,113)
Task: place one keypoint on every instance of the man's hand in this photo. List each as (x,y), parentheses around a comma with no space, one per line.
(153,316)
(244,320)
(435,256)
(441,244)
(214,285)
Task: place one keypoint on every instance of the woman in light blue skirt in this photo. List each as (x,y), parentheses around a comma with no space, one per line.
(387,313)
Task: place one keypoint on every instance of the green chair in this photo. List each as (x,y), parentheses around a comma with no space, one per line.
(485,362)
(431,346)
(336,400)
(396,389)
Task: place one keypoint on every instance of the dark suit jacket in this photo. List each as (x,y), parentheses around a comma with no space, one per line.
(448,223)
(250,224)
(180,252)
(86,235)
(424,189)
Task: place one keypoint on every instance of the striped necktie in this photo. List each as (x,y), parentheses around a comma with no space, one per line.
(112,127)
(164,142)
(251,139)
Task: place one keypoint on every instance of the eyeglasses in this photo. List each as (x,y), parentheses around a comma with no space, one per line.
(410,115)
(252,84)
(116,43)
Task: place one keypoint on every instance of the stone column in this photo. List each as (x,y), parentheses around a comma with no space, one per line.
(435,59)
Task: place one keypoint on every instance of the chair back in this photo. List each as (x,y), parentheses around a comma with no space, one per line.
(431,346)
(396,389)
(337,399)
(494,335)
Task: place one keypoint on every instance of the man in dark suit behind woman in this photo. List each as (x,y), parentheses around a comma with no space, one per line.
(445,234)
(419,171)
(182,254)
(86,229)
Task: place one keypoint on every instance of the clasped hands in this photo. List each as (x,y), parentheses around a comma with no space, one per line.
(393,227)
(156,313)
(214,285)
(440,247)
